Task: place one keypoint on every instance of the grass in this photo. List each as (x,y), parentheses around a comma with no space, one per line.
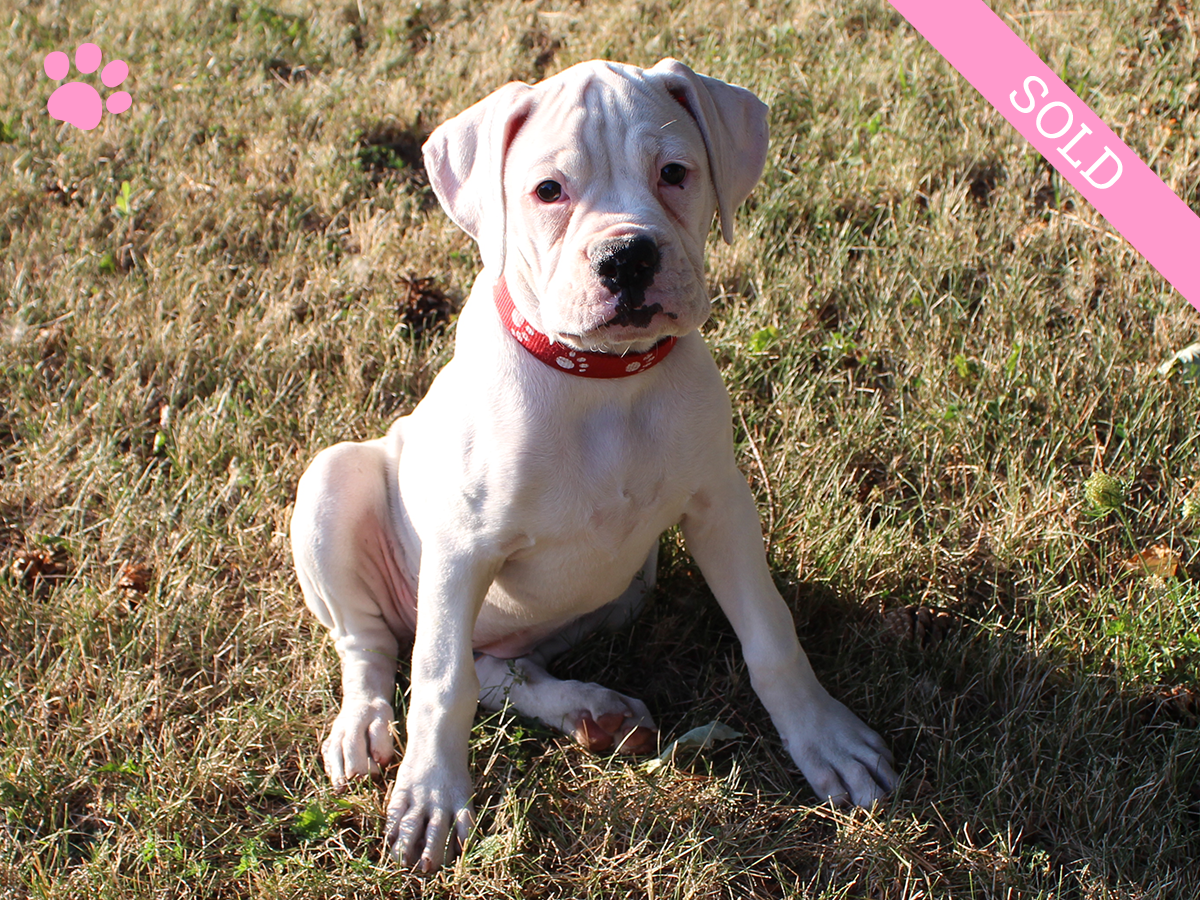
(932,343)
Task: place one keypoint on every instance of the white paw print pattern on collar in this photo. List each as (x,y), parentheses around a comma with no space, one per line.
(521,329)
(573,360)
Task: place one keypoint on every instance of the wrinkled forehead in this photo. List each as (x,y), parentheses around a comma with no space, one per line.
(606,115)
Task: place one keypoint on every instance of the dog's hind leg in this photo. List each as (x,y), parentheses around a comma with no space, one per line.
(599,719)
(353,578)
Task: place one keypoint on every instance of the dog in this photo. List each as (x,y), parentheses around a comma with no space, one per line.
(519,506)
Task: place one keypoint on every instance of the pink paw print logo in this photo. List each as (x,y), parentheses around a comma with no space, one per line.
(77,103)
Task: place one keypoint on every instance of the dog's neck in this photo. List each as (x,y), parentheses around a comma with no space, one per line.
(588,363)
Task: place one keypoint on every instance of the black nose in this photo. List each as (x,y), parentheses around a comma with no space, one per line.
(627,264)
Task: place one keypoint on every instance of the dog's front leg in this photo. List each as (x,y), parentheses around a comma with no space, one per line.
(842,758)
(431,799)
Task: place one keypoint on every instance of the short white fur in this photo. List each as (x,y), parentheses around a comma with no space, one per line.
(522,506)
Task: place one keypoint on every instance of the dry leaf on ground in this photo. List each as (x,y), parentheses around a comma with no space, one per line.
(1159,560)
(1185,364)
(1169,704)
(135,578)
(35,566)
(927,625)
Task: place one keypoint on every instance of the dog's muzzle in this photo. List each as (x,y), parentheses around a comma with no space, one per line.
(626,266)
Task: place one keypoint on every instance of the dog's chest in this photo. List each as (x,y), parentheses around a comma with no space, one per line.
(611,480)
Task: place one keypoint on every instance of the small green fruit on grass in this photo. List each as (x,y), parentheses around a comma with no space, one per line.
(1104,492)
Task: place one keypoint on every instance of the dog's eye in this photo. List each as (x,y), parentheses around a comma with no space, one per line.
(673,173)
(549,191)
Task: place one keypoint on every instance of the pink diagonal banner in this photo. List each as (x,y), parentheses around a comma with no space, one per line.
(1064,129)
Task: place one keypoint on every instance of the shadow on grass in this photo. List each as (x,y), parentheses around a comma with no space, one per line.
(1010,753)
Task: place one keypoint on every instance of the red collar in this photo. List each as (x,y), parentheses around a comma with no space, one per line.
(588,363)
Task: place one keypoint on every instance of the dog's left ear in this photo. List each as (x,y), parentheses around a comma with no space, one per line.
(733,123)
(464,158)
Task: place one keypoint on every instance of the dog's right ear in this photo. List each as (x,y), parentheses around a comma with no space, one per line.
(733,123)
(465,161)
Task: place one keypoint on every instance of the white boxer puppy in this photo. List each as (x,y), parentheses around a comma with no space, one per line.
(519,506)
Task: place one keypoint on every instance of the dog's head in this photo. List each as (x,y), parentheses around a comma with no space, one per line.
(593,193)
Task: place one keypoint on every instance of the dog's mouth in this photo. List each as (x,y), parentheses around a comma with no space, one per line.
(618,337)
(632,324)
(636,315)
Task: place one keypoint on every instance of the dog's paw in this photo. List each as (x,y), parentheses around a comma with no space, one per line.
(427,814)
(359,742)
(844,760)
(614,730)
(602,720)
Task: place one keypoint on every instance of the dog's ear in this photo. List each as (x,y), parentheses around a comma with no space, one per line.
(465,161)
(733,123)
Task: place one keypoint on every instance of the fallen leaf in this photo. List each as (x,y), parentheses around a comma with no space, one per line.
(35,567)
(1160,560)
(1169,704)
(697,739)
(135,577)
(926,625)
(1185,364)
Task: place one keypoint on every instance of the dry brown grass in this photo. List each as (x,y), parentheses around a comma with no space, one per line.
(932,343)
